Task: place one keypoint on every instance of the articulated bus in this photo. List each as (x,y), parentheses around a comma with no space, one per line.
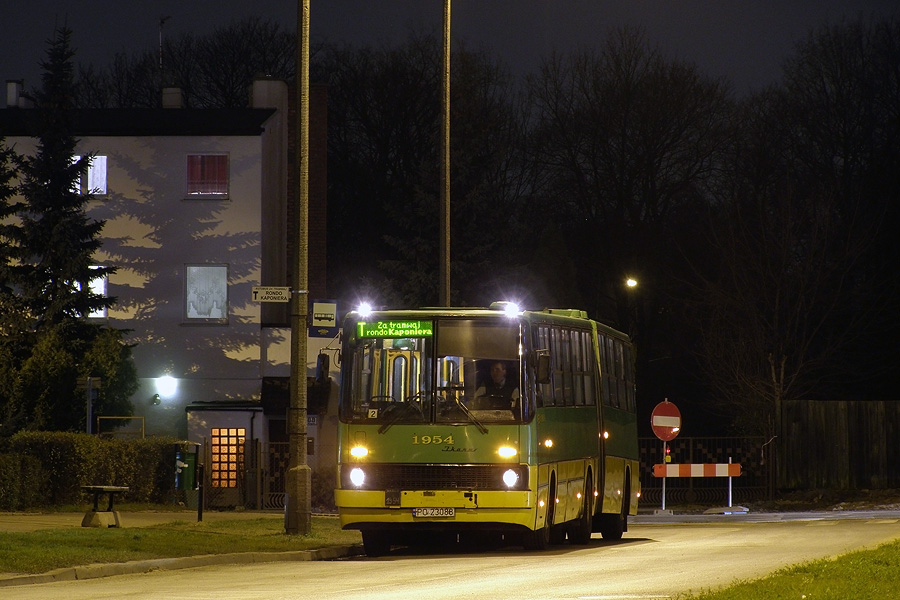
(432,440)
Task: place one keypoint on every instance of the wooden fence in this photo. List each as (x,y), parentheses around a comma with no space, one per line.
(842,445)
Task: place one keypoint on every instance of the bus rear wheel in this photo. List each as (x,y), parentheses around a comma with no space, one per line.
(580,530)
(613,526)
(376,543)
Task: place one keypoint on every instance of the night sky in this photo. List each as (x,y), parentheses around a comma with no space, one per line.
(742,40)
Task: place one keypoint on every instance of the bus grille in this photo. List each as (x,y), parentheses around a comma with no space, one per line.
(438,477)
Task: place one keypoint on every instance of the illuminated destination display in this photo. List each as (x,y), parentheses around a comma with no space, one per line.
(394,329)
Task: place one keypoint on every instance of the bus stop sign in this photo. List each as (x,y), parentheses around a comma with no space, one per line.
(666,421)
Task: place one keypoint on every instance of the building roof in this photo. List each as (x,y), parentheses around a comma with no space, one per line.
(145,121)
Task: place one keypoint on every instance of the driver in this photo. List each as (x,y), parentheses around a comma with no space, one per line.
(503,393)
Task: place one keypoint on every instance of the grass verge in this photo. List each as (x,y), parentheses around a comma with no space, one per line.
(860,575)
(48,549)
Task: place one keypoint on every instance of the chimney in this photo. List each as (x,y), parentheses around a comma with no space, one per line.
(172,98)
(16,96)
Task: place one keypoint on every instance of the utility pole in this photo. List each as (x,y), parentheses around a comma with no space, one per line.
(297,514)
(445,167)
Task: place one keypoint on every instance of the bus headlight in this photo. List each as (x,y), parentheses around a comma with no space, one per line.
(357,477)
(510,478)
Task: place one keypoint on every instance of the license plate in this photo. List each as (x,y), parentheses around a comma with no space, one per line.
(434,512)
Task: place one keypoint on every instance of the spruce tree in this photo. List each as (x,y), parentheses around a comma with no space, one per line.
(47,272)
(58,239)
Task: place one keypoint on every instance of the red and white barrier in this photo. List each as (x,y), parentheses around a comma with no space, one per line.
(698,470)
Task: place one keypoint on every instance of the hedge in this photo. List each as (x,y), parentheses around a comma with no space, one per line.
(49,468)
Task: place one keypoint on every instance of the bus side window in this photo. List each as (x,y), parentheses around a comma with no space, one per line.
(629,378)
(544,389)
(578,370)
(588,367)
(620,374)
(612,372)
(556,377)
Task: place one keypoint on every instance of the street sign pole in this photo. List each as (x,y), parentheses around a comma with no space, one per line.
(663,507)
(665,420)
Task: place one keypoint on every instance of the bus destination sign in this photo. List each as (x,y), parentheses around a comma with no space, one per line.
(394,329)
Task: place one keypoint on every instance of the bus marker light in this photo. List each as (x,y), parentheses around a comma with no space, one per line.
(605,435)
(541,503)
(510,478)
(578,495)
(359,451)
(548,443)
(507,452)
(357,477)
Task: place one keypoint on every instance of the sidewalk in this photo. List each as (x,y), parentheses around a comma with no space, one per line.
(24,522)
(19,521)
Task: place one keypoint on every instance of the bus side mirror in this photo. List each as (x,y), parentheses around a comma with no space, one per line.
(543,367)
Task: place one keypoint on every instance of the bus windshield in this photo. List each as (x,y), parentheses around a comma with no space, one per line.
(441,371)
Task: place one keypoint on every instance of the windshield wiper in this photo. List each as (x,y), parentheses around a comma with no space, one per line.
(472,417)
(401,411)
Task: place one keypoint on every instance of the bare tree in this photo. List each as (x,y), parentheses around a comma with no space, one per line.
(801,299)
(626,142)
(213,71)
(384,126)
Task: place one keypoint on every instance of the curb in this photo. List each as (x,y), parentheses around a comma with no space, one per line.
(186,562)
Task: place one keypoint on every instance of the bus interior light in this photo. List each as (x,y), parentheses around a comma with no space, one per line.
(507,451)
(359,451)
(357,477)
(510,478)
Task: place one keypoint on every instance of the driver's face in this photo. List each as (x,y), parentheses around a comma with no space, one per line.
(498,372)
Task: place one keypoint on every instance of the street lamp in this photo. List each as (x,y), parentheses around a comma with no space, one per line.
(444,270)
(631,282)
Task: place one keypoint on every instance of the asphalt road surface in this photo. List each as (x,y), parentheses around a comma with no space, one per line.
(653,561)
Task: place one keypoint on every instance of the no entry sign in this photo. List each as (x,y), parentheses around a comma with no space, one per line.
(666,421)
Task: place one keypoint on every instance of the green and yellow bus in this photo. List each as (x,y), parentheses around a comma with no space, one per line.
(433,440)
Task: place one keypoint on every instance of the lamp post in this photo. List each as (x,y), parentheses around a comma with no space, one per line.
(445,166)
(297,513)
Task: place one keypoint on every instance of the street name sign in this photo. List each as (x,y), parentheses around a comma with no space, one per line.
(262,293)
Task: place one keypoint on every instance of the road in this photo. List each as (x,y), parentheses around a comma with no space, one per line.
(654,561)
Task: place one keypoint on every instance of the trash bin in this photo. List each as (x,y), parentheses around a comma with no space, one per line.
(186,466)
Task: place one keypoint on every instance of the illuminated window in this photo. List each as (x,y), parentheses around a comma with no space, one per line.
(94,182)
(207,175)
(206,293)
(227,450)
(97,285)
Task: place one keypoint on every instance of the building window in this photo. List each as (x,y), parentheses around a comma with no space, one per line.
(227,453)
(207,175)
(206,293)
(98,286)
(94,181)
